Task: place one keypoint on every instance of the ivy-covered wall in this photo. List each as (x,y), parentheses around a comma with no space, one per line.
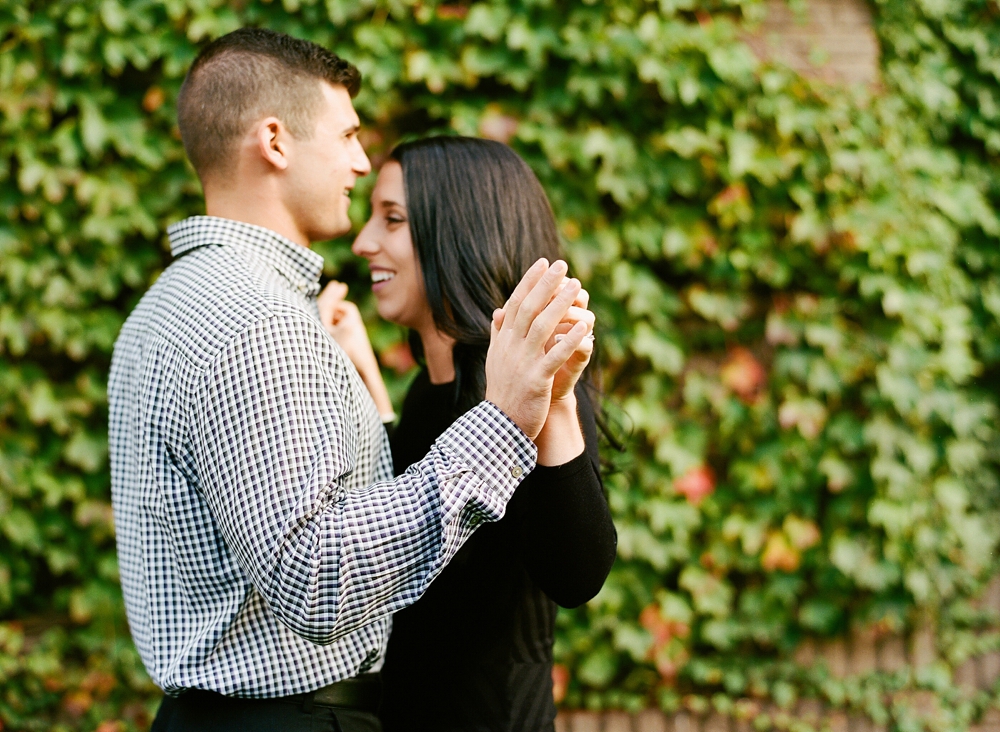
(798,288)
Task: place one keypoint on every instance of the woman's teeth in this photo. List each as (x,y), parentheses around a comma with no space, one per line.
(382,276)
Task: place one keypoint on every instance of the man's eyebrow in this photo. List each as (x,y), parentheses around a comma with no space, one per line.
(352,128)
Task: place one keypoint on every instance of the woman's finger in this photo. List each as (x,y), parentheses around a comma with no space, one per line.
(333,291)
(582,300)
(332,294)
(346,313)
(564,349)
(586,345)
(585,350)
(577,314)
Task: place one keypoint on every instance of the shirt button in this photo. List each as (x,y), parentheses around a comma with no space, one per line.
(516,471)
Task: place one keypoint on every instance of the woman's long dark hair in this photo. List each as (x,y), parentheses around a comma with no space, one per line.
(479,219)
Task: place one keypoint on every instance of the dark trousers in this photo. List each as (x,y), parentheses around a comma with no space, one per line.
(206,711)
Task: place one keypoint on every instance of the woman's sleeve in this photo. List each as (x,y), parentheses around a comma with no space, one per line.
(568,538)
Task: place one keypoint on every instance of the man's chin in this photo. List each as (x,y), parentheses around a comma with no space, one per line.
(330,231)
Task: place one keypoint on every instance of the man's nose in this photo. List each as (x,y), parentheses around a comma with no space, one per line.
(361,165)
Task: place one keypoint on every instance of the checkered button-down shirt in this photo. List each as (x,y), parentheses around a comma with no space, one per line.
(262,541)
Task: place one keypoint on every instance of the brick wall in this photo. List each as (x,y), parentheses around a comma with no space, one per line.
(831,40)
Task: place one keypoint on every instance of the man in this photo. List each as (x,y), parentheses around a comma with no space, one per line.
(262,541)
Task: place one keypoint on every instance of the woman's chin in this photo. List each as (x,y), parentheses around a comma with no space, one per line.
(386,312)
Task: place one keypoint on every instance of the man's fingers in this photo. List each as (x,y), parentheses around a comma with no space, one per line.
(535,300)
(563,350)
(524,287)
(541,296)
(544,324)
(494,327)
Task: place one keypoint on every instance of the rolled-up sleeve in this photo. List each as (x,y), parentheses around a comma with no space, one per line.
(276,435)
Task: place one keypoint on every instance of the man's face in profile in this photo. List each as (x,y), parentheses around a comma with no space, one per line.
(322,170)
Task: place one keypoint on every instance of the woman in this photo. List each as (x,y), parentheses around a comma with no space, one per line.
(455,223)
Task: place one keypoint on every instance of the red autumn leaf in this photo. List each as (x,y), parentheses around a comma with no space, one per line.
(696,484)
(734,193)
(76,703)
(452,12)
(668,660)
(495,125)
(560,682)
(679,629)
(743,375)
(99,682)
(398,357)
(153,99)
(650,619)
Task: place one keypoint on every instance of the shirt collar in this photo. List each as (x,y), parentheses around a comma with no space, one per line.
(299,265)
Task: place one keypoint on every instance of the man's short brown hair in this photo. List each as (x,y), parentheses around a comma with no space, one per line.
(245,76)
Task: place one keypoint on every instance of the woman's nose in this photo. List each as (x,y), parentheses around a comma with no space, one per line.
(365,245)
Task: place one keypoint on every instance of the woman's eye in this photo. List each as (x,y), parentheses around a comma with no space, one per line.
(394,219)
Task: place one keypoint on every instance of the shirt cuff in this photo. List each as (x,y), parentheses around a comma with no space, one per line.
(492,445)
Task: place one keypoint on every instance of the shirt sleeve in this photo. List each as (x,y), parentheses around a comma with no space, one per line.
(277,435)
(568,538)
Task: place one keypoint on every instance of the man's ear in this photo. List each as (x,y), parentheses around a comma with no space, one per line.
(272,142)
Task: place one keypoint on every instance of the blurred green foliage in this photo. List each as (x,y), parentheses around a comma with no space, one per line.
(798,288)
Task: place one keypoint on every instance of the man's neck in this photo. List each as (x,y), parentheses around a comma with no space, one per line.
(253,207)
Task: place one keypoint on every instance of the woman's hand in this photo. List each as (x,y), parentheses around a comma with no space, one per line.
(567,376)
(342,320)
(561,438)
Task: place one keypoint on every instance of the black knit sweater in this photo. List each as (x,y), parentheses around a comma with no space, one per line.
(475,652)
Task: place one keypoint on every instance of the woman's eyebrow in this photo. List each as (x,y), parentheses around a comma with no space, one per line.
(389,203)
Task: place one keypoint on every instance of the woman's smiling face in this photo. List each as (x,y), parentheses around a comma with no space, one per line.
(386,242)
